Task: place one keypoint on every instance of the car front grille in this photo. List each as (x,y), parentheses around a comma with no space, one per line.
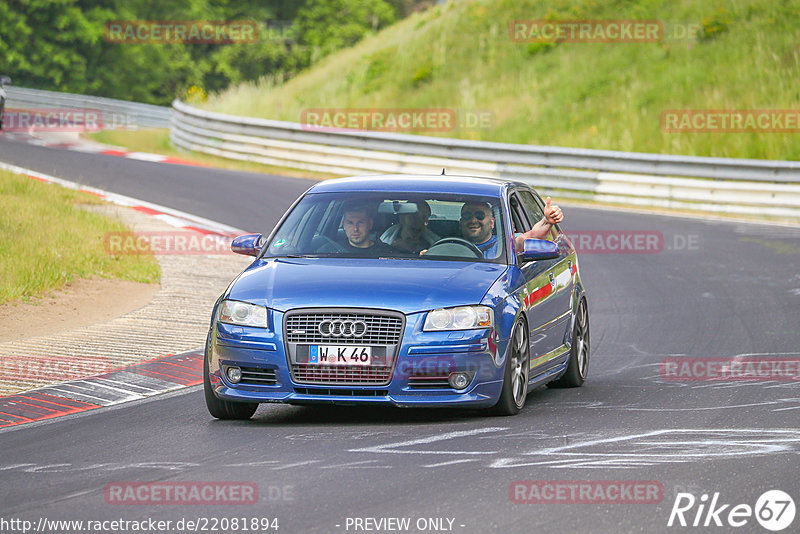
(342,374)
(383,332)
(343,392)
(381,329)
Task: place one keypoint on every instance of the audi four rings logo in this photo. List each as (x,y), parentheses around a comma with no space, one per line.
(342,328)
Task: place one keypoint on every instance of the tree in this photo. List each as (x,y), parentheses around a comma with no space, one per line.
(328,25)
(62,44)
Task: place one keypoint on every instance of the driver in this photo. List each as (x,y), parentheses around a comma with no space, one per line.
(477,224)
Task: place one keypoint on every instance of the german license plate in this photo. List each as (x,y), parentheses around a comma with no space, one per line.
(339,355)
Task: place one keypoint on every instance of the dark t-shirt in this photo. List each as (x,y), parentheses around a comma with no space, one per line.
(377,249)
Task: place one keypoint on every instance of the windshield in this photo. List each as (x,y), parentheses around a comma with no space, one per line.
(393,225)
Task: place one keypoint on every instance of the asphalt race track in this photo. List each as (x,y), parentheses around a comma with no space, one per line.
(711,290)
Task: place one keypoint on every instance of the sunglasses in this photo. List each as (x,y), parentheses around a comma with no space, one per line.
(467,215)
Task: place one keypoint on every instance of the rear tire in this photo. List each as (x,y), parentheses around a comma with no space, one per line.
(578,366)
(222,409)
(515,378)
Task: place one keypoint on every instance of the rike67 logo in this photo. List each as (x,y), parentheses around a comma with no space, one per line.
(774,510)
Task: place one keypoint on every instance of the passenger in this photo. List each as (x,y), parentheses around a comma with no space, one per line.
(412,234)
(357,223)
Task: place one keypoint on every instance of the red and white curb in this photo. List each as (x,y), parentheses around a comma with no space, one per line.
(145,156)
(126,384)
(97,148)
(129,383)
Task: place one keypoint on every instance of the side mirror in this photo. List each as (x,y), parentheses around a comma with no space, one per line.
(539,249)
(249,245)
(5,80)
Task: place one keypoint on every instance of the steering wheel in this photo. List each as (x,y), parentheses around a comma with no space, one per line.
(454,241)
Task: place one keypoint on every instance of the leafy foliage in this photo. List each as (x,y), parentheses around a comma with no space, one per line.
(62,44)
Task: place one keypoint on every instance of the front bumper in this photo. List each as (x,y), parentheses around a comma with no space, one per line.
(418,378)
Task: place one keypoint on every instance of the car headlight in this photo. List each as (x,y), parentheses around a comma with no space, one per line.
(459,318)
(242,314)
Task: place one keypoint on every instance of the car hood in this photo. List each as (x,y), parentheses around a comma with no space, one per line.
(405,285)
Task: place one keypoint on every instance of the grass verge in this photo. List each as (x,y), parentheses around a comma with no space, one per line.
(47,240)
(740,54)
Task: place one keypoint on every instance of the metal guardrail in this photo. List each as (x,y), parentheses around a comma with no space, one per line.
(116,113)
(729,185)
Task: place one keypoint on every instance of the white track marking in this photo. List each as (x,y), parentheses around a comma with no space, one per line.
(393,448)
(451,462)
(296,464)
(357,465)
(260,463)
(659,447)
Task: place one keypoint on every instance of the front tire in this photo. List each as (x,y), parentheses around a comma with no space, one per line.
(515,379)
(222,409)
(578,366)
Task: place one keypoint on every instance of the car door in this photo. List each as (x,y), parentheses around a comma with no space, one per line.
(535,294)
(561,275)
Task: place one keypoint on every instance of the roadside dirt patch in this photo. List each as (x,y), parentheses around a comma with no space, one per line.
(80,303)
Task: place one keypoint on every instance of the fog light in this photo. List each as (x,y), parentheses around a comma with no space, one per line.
(234,374)
(459,380)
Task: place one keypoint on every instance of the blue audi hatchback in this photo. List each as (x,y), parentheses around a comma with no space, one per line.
(379,290)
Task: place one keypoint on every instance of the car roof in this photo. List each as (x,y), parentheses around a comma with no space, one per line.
(416,183)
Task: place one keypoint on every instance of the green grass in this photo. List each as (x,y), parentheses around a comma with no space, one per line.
(604,96)
(47,240)
(153,140)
